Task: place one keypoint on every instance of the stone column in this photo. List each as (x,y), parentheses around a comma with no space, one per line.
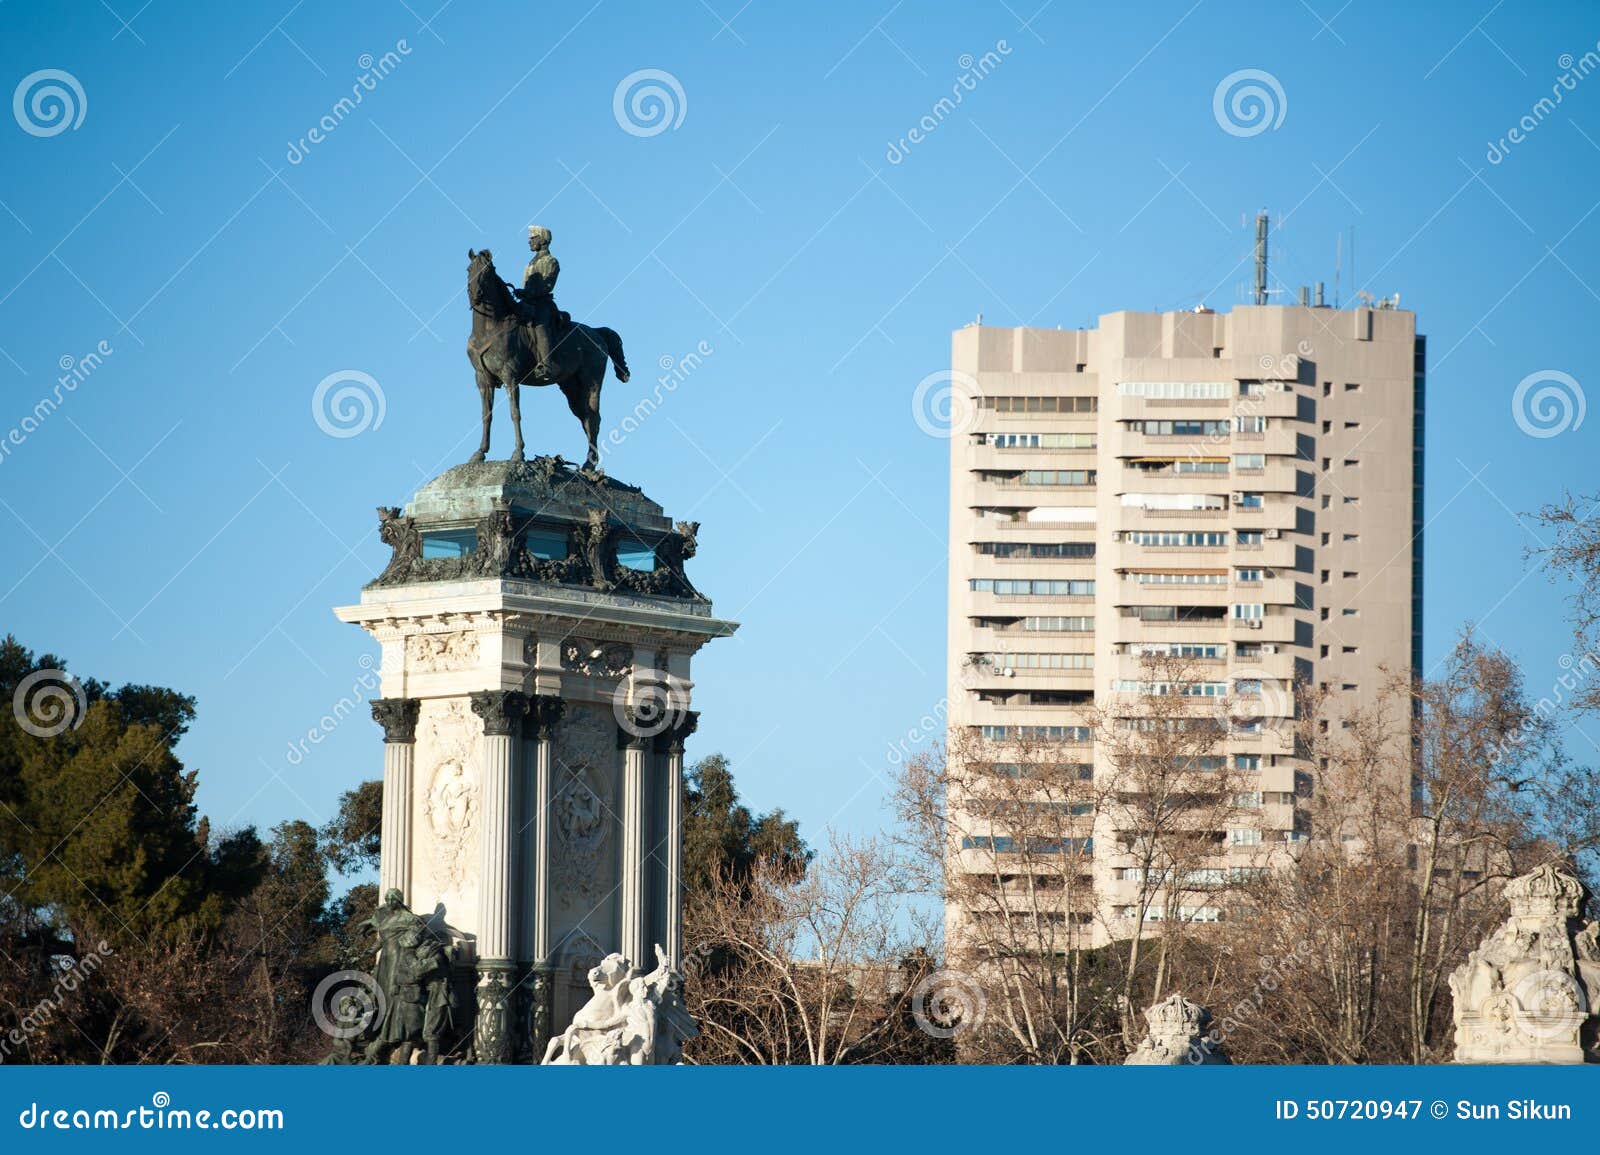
(544,712)
(398,717)
(634,738)
(670,744)
(500,710)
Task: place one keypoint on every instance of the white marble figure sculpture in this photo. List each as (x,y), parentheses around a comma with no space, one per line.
(1177,1037)
(632,1019)
(1529,993)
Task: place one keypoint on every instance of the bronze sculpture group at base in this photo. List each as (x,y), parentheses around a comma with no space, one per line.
(416,1009)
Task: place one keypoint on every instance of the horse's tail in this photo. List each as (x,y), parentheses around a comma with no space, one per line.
(614,351)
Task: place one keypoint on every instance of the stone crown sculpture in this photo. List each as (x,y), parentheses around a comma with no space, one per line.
(1528,994)
(1177,1037)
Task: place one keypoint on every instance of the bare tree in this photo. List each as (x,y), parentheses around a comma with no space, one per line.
(803,970)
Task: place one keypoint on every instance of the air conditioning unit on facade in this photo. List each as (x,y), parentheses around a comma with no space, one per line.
(1253,623)
(1274,534)
(1269,649)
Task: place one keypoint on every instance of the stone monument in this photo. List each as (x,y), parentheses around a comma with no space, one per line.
(1177,1037)
(537,628)
(632,1019)
(1529,993)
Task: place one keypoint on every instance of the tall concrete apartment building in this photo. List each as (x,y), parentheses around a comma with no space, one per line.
(1244,488)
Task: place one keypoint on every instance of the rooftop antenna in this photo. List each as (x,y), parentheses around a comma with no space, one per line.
(1261,258)
(1338,259)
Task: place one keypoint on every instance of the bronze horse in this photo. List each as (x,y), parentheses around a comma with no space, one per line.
(501,350)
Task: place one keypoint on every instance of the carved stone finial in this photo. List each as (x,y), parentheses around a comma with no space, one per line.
(499,709)
(1529,993)
(398,717)
(1177,1037)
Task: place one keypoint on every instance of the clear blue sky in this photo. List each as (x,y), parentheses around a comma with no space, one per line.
(182,519)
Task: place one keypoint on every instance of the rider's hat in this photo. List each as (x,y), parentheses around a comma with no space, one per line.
(539,233)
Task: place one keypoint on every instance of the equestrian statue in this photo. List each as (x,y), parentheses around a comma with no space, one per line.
(519,337)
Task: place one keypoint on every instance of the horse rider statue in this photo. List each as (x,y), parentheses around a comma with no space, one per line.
(537,295)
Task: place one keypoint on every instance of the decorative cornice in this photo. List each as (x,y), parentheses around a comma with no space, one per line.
(499,709)
(398,717)
(544,712)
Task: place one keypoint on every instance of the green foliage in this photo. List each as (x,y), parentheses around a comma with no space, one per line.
(721,835)
(351,841)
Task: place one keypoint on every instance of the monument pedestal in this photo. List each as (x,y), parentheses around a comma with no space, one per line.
(537,629)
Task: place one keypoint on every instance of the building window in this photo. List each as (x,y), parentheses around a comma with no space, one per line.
(1179,428)
(1035,661)
(1035,589)
(1038,440)
(1248,800)
(1249,460)
(1248,501)
(1059,625)
(1190,540)
(449,543)
(1248,611)
(1064,550)
(1173,501)
(1247,762)
(1248,537)
(1160,578)
(1040,404)
(1244,836)
(1249,575)
(1174,390)
(1249,424)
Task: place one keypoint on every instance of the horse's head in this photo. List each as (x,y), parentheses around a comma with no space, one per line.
(484,286)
